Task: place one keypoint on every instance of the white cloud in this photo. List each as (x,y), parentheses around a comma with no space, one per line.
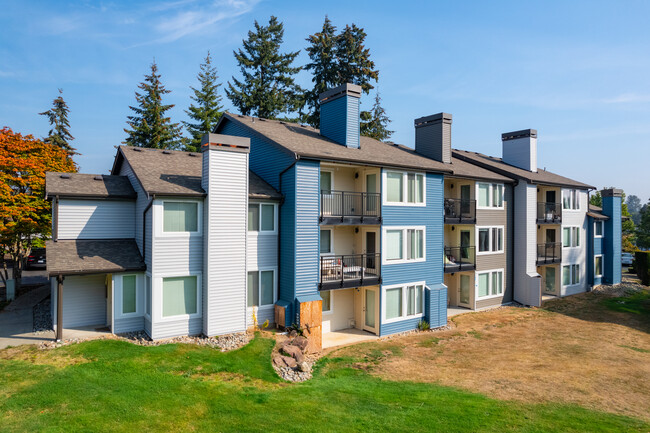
(627,98)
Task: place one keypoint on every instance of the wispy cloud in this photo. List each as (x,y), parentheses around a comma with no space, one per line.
(628,98)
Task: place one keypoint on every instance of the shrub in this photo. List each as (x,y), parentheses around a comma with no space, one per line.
(423,325)
(642,265)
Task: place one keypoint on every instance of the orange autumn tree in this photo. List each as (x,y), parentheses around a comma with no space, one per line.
(25,215)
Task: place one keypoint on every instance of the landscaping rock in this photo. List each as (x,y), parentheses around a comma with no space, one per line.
(301,342)
(304,367)
(293,333)
(293,351)
(42,316)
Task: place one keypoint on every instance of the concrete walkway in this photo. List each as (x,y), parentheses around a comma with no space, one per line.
(345,337)
(17,319)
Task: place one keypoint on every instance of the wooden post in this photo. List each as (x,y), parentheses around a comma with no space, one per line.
(59,308)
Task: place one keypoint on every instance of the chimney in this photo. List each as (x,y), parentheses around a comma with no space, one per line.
(339,114)
(520,149)
(612,201)
(433,137)
(224,178)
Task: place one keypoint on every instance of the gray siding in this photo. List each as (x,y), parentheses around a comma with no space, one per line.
(521,152)
(175,328)
(174,254)
(140,204)
(96,219)
(84,301)
(434,141)
(128,325)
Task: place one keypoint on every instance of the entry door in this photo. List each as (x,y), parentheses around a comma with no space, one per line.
(464,291)
(550,236)
(550,204)
(370,309)
(372,199)
(549,281)
(370,248)
(464,243)
(464,200)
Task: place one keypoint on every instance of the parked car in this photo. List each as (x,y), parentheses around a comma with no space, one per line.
(627,259)
(36,260)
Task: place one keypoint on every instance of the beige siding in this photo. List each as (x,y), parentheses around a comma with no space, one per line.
(490,302)
(342,311)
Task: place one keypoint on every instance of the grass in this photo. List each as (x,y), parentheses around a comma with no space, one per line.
(637,303)
(110,385)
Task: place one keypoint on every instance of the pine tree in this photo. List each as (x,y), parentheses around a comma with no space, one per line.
(322,52)
(208,109)
(267,88)
(643,229)
(59,135)
(374,123)
(149,126)
(354,64)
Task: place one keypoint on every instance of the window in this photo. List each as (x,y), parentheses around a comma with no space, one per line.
(490,240)
(570,199)
(261,288)
(326,241)
(598,266)
(179,296)
(570,275)
(570,237)
(326,182)
(129,294)
(404,188)
(490,195)
(147,294)
(403,302)
(598,229)
(261,217)
(327,301)
(180,217)
(490,283)
(404,244)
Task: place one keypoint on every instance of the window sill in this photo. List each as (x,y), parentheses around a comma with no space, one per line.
(402,204)
(403,261)
(480,298)
(490,208)
(403,318)
(489,253)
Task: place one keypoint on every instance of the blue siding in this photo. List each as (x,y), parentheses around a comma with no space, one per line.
(612,240)
(430,270)
(287,280)
(307,228)
(339,121)
(595,247)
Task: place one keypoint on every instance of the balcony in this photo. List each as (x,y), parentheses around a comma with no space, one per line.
(549,213)
(347,207)
(459,211)
(460,259)
(549,253)
(354,270)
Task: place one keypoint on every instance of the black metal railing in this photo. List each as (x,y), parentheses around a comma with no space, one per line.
(549,213)
(359,206)
(549,252)
(353,270)
(458,259)
(460,211)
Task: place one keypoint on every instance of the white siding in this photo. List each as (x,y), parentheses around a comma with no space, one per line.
(130,322)
(521,152)
(96,219)
(342,311)
(262,253)
(262,314)
(527,282)
(225,178)
(176,328)
(140,204)
(84,301)
(578,255)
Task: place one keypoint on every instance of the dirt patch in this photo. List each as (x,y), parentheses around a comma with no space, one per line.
(574,351)
(36,356)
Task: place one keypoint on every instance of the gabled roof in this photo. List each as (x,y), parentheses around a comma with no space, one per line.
(541,177)
(464,169)
(306,142)
(93,256)
(79,185)
(177,173)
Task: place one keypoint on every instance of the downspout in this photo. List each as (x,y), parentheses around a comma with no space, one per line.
(55,229)
(144,227)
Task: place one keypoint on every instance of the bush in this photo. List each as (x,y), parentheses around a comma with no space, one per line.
(423,325)
(642,265)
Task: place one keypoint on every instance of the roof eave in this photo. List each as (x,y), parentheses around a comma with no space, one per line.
(371,164)
(53,273)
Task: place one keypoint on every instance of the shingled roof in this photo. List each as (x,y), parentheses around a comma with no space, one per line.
(88,186)
(173,172)
(541,177)
(74,257)
(596,212)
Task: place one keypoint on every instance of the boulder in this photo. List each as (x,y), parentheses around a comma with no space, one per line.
(301,342)
(284,361)
(293,333)
(293,351)
(304,367)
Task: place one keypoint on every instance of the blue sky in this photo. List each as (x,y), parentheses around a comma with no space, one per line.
(575,71)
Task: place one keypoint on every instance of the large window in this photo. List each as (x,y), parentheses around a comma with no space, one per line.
(180,296)
(405,188)
(180,217)
(327,300)
(261,288)
(598,229)
(326,241)
(570,275)
(404,244)
(570,199)
(570,237)
(261,217)
(490,283)
(489,195)
(490,240)
(403,302)
(129,294)
(598,266)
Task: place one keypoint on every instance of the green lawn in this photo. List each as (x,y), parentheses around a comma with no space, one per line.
(116,386)
(637,303)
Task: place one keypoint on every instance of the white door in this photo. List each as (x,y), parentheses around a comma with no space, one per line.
(370,310)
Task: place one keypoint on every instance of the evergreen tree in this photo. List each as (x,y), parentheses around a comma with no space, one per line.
(323,65)
(267,88)
(374,123)
(353,58)
(643,229)
(149,126)
(59,135)
(208,109)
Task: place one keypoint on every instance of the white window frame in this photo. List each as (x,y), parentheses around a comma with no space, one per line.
(404,202)
(489,228)
(331,253)
(404,230)
(571,267)
(602,265)
(157,307)
(159,211)
(259,287)
(331,310)
(119,296)
(602,227)
(572,236)
(404,288)
(259,213)
(490,272)
(574,199)
(491,188)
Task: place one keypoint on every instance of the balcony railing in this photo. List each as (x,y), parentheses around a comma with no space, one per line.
(548,253)
(459,211)
(549,213)
(354,270)
(459,259)
(346,207)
